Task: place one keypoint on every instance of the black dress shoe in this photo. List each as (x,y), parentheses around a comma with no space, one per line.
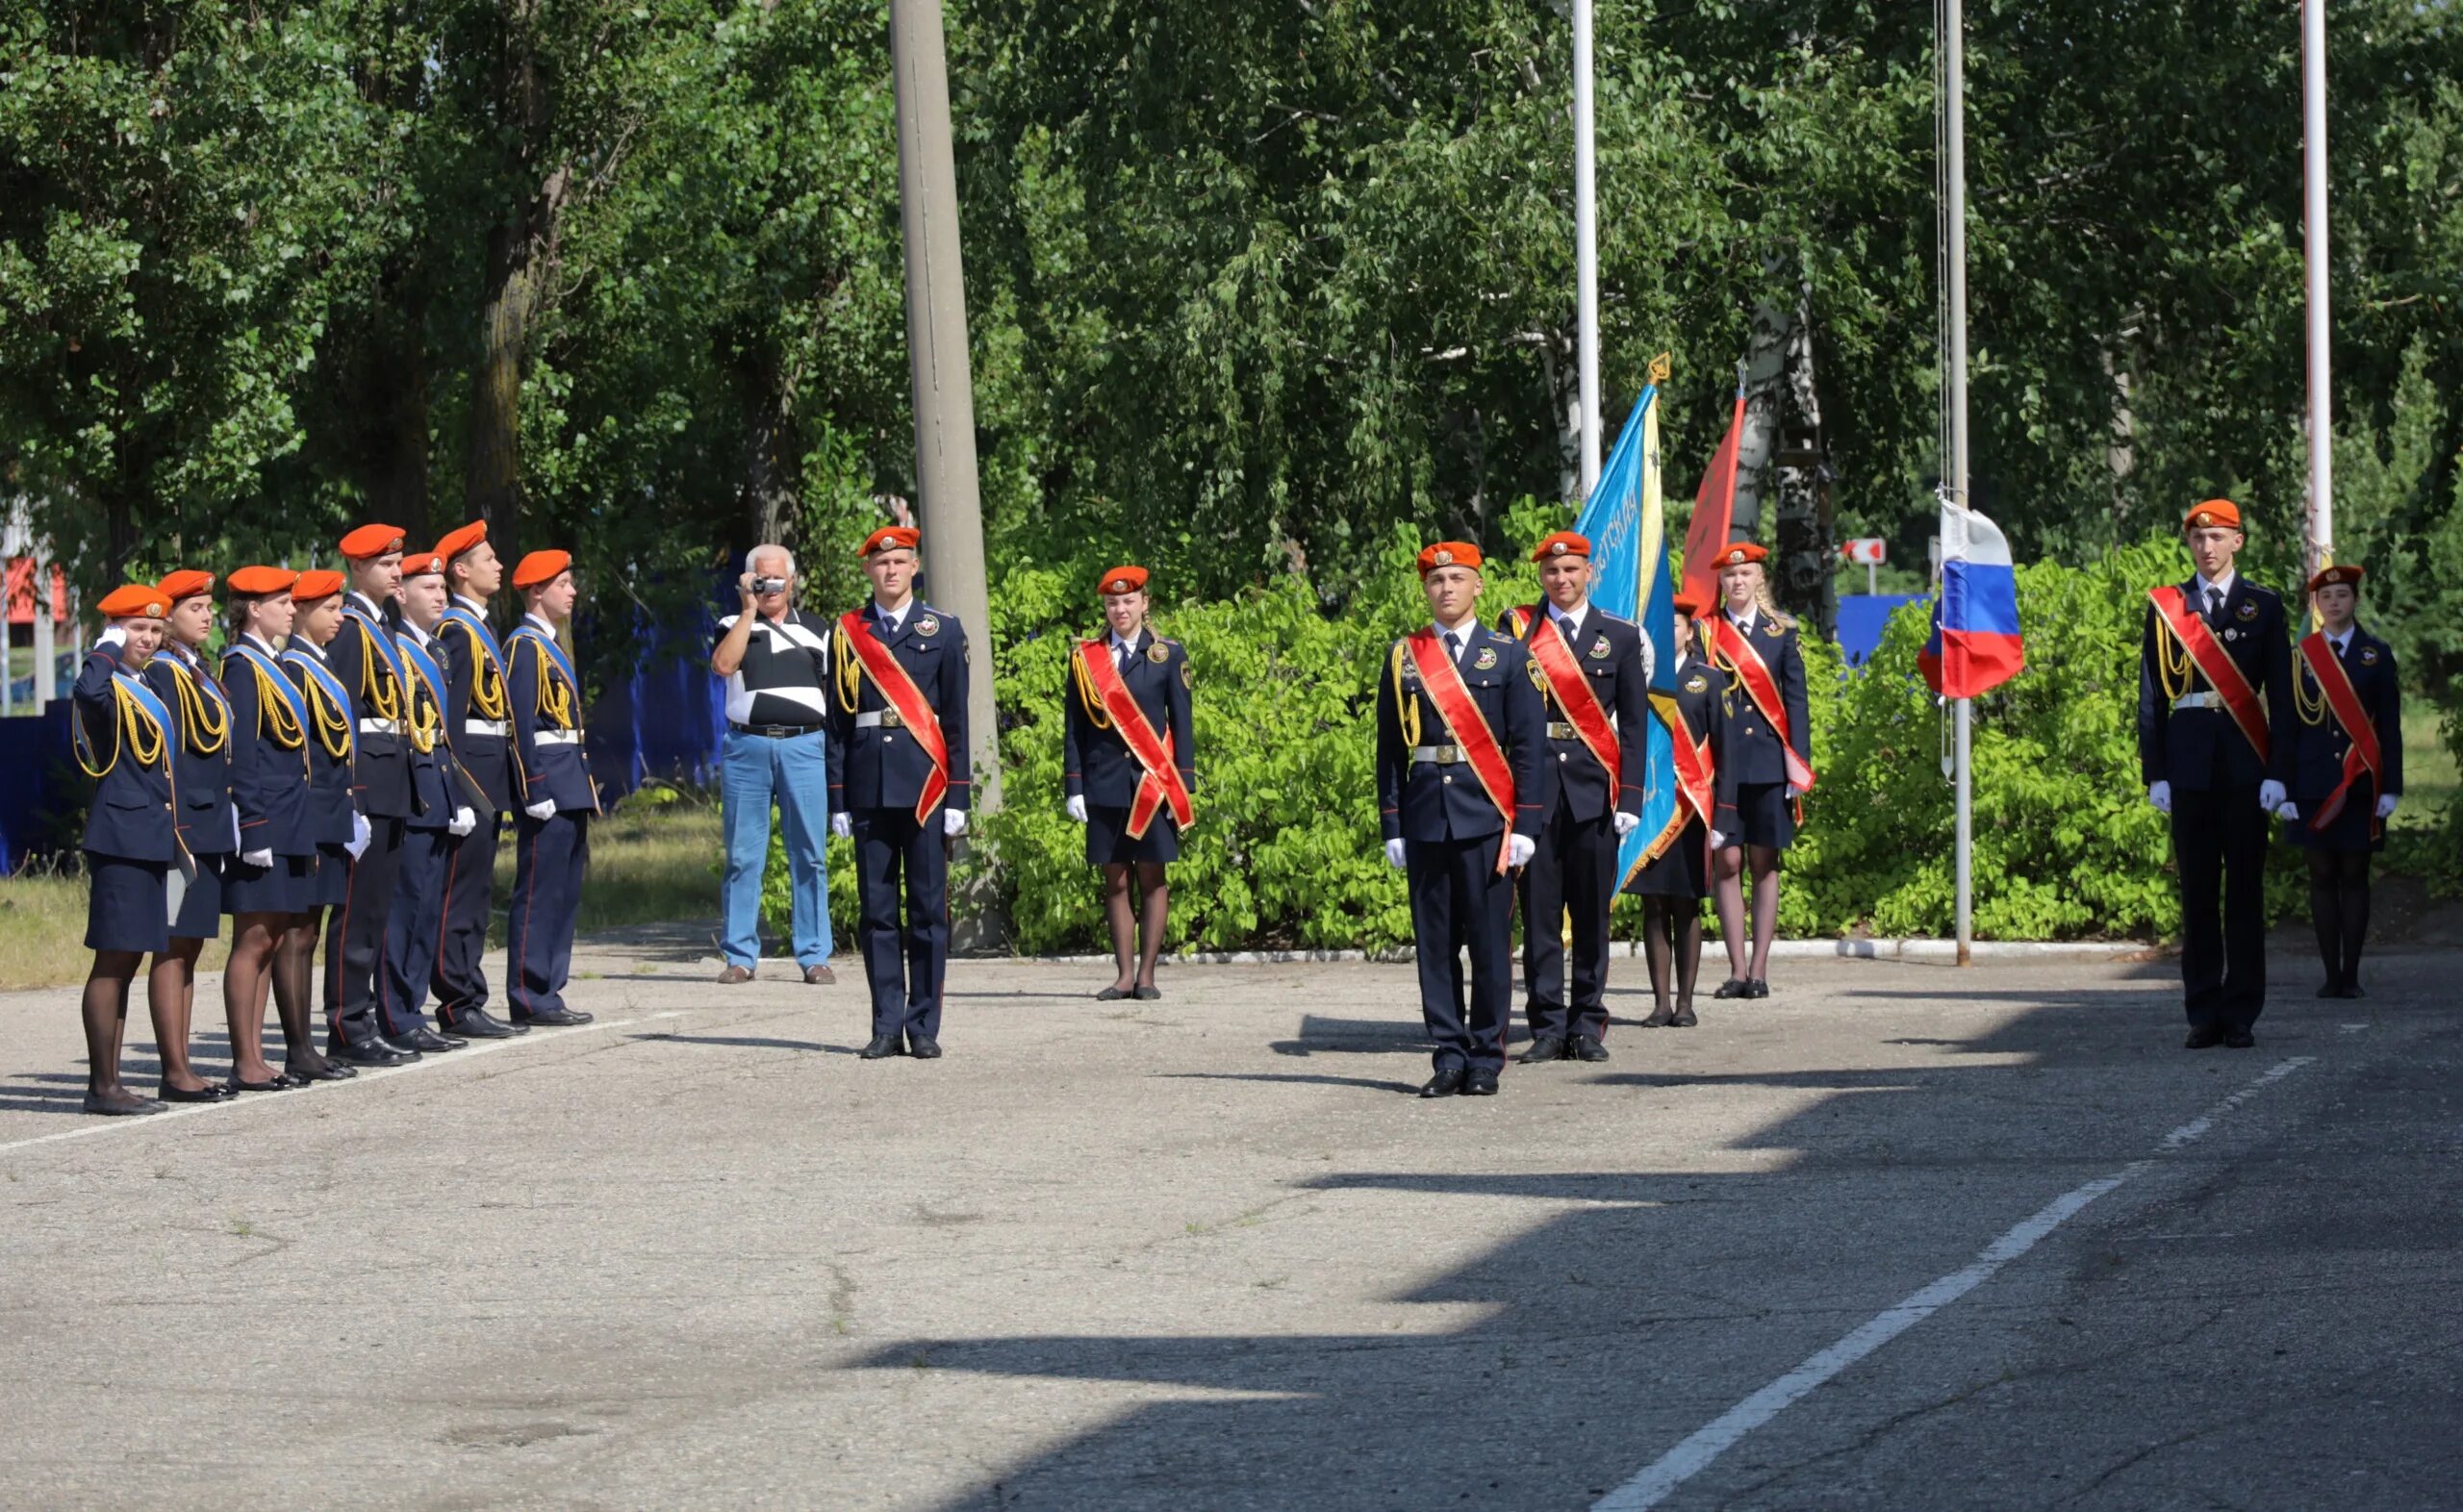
(2205,1037)
(1684,1019)
(1756,988)
(924,1048)
(2332,989)
(208,1092)
(2351,990)
(1660,1018)
(1147,995)
(1445,1083)
(553,1018)
(374,1051)
(1542,1050)
(126,1105)
(1586,1048)
(476,1023)
(883,1046)
(1112,995)
(427,1042)
(283,1081)
(2239,1039)
(321,1068)
(1480,1084)
(1732,987)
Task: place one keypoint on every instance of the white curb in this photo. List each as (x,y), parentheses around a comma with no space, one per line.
(1910,949)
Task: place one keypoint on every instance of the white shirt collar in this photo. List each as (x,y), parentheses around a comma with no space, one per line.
(301,644)
(2341,642)
(1462,631)
(1744,622)
(1571,619)
(540,621)
(895,618)
(411,628)
(2221,585)
(258,641)
(471,604)
(365,603)
(1129,645)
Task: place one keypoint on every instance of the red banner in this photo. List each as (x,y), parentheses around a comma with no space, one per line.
(1161,783)
(1764,690)
(1714,507)
(1443,682)
(2208,656)
(2344,700)
(898,689)
(1571,688)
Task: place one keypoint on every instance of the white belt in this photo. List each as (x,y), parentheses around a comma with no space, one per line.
(1441,755)
(881,719)
(2198,700)
(558,737)
(495,727)
(380,728)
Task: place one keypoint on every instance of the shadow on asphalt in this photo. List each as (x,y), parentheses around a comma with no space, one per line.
(1366,1083)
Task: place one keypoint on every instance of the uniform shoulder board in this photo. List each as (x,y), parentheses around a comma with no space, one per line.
(1617,620)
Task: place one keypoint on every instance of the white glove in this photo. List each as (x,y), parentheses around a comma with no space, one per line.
(360,833)
(542,811)
(1627,824)
(113,635)
(2270,795)
(842,825)
(954,822)
(262,860)
(1519,850)
(235,829)
(2160,793)
(1395,854)
(463,822)
(1078,808)
(2289,812)
(2386,802)
(1718,842)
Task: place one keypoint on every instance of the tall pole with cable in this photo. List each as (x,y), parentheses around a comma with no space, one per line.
(2321,550)
(1586,250)
(1954,478)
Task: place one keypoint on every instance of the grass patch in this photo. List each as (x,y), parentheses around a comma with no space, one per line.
(2430,781)
(652,862)
(42,932)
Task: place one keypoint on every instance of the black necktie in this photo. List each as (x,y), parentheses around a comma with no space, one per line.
(2214,604)
(1454,640)
(1121,656)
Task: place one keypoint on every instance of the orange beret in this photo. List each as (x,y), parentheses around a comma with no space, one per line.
(2346,574)
(419,564)
(1690,605)
(260,582)
(541,567)
(890,537)
(1124,580)
(1451,553)
(2214,513)
(314,586)
(1563,544)
(460,540)
(134,601)
(187,583)
(371,541)
(1737,553)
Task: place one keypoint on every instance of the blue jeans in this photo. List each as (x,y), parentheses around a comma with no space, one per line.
(752,770)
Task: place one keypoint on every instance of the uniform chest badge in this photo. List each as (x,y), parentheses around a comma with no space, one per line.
(1410,672)
(1698,683)
(2369,656)
(2231,633)
(1156,654)
(1189,679)
(1538,676)
(1487,659)
(1600,649)
(930,624)
(1774,631)
(2246,612)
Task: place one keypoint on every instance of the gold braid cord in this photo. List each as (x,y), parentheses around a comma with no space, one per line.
(1086,694)
(1407,704)
(2173,665)
(555,701)
(427,720)
(333,722)
(487,681)
(2310,696)
(851,672)
(376,682)
(274,710)
(131,725)
(208,727)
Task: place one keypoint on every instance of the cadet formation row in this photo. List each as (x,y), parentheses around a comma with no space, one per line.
(357,776)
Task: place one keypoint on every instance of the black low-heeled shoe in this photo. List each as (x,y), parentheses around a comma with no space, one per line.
(1732,987)
(322,1070)
(135,1107)
(1111,995)
(209,1093)
(1756,988)
(1147,995)
(283,1081)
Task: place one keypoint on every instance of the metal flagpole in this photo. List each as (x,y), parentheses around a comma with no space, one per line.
(1954,213)
(1586,250)
(2313,159)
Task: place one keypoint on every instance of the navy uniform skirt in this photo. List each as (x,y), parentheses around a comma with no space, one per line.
(1681,871)
(2349,833)
(201,905)
(286,887)
(1763,815)
(126,906)
(1109,842)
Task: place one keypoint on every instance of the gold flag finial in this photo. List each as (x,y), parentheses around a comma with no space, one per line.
(1658,369)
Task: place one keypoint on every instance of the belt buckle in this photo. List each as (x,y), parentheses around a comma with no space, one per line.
(890,720)
(1449,755)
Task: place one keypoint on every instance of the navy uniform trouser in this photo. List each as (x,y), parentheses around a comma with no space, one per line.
(355,934)
(906,961)
(459,979)
(2220,838)
(1573,872)
(548,858)
(1459,901)
(411,932)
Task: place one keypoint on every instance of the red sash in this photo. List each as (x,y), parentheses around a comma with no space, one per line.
(2345,701)
(1571,688)
(1161,783)
(1443,683)
(898,689)
(2221,672)
(1763,689)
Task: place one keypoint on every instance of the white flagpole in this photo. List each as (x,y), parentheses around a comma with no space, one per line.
(1586,250)
(2313,158)
(1954,213)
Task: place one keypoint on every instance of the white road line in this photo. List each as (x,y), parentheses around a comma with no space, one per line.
(265,1099)
(1693,1455)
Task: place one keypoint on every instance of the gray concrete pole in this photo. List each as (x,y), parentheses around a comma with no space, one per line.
(949,509)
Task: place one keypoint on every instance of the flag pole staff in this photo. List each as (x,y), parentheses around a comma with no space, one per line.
(1954,216)
(1586,250)
(2313,160)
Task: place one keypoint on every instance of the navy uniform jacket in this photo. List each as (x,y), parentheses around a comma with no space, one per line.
(1424,802)
(1098,766)
(331,802)
(474,690)
(2199,749)
(1750,748)
(268,778)
(131,816)
(201,760)
(1699,702)
(2315,760)
(383,772)
(1610,650)
(437,787)
(874,768)
(544,698)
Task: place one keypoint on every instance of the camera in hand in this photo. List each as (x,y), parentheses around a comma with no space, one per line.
(769,584)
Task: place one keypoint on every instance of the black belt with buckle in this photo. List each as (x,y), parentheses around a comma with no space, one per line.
(775,732)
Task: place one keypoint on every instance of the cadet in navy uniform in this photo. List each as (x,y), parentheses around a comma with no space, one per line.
(1673,884)
(898,785)
(478,716)
(201,764)
(1462,800)
(1102,778)
(1574,870)
(271,885)
(2217,776)
(2341,798)
(552,844)
(332,721)
(1766,748)
(123,738)
(439,810)
(365,660)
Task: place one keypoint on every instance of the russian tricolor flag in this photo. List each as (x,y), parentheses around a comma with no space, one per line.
(1975,644)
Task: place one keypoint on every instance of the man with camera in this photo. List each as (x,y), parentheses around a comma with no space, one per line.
(776,660)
